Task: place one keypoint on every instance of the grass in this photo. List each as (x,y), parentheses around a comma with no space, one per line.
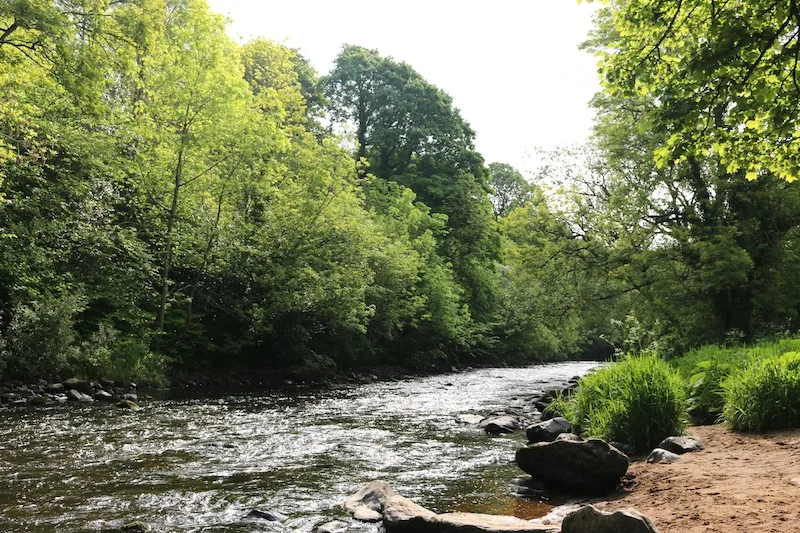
(640,400)
(706,369)
(765,395)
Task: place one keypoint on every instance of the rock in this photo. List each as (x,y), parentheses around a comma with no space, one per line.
(40,401)
(126,404)
(9,397)
(662,456)
(135,527)
(131,397)
(547,430)
(681,445)
(400,515)
(589,520)
(107,383)
(591,466)
(22,402)
(103,396)
(627,449)
(336,526)
(570,436)
(498,425)
(529,487)
(469,419)
(27,393)
(74,395)
(54,388)
(60,398)
(271,516)
(78,385)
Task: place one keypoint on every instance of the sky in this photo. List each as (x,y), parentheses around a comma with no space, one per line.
(512,67)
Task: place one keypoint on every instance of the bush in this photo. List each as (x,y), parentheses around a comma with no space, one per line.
(640,400)
(765,395)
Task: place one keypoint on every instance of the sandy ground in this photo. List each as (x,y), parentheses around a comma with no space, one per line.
(739,483)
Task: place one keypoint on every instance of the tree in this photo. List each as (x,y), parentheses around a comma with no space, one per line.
(510,189)
(722,77)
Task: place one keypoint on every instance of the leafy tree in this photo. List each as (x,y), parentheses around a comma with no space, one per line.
(510,189)
(722,77)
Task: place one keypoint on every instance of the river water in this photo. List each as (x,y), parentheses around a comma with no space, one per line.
(200,464)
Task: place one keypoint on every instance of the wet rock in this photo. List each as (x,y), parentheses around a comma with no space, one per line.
(22,402)
(591,466)
(499,425)
(662,456)
(547,430)
(681,445)
(9,397)
(401,515)
(529,488)
(27,393)
(336,526)
(78,385)
(131,397)
(590,520)
(40,401)
(103,396)
(127,404)
(54,388)
(469,419)
(74,395)
(570,436)
(60,398)
(107,383)
(270,516)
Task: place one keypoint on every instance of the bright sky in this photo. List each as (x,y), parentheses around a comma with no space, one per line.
(512,66)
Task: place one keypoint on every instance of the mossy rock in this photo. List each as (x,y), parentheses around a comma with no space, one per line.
(127,404)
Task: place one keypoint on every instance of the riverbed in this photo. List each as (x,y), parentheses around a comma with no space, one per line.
(202,463)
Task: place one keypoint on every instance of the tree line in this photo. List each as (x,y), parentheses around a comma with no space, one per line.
(171,199)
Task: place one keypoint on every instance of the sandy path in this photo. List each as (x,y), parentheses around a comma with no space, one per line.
(739,483)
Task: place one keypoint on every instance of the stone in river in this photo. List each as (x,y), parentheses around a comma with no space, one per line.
(498,425)
(271,516)
(337,526)
(126,404)
(548,430)
(591,466)
(103,396)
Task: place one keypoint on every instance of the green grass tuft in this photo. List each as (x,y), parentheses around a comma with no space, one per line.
(765,395)
(640,400)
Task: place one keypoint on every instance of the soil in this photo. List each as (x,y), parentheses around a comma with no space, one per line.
(739,483)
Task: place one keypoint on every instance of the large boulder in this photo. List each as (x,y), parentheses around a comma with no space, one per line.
(591,467)
(548,430)
(78,385)
(681,445)
(590,520)
(400,515)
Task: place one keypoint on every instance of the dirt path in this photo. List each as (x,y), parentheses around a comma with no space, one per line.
(739,483)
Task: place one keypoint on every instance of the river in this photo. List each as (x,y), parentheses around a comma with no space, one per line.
(201,463)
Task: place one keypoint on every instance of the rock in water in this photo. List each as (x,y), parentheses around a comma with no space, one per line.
(590,466)
(126,404)
(681,445)
(336,526)
(400,515)
(499,425)
(570,436)
(590,520)
(548,430)
(662,456)
(271,516)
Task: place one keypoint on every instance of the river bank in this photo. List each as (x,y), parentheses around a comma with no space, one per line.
(739,482)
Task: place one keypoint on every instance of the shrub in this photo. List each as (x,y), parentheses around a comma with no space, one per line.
(706,399)
(765,395)
(640,400)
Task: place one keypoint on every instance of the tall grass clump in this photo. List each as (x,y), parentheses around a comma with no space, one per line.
(765,395)
(640,400)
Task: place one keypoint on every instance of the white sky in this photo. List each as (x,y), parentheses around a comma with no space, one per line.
(511,66)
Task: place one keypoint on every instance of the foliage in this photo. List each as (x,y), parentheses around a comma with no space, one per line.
(765,395)
(724,74)
(639,400)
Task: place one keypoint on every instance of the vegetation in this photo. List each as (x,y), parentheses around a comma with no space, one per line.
(639,401)
(765,395)
(175,201)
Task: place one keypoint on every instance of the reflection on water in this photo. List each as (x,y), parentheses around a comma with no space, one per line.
(202,464)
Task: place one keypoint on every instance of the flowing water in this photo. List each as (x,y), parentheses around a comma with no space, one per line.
(200,464)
